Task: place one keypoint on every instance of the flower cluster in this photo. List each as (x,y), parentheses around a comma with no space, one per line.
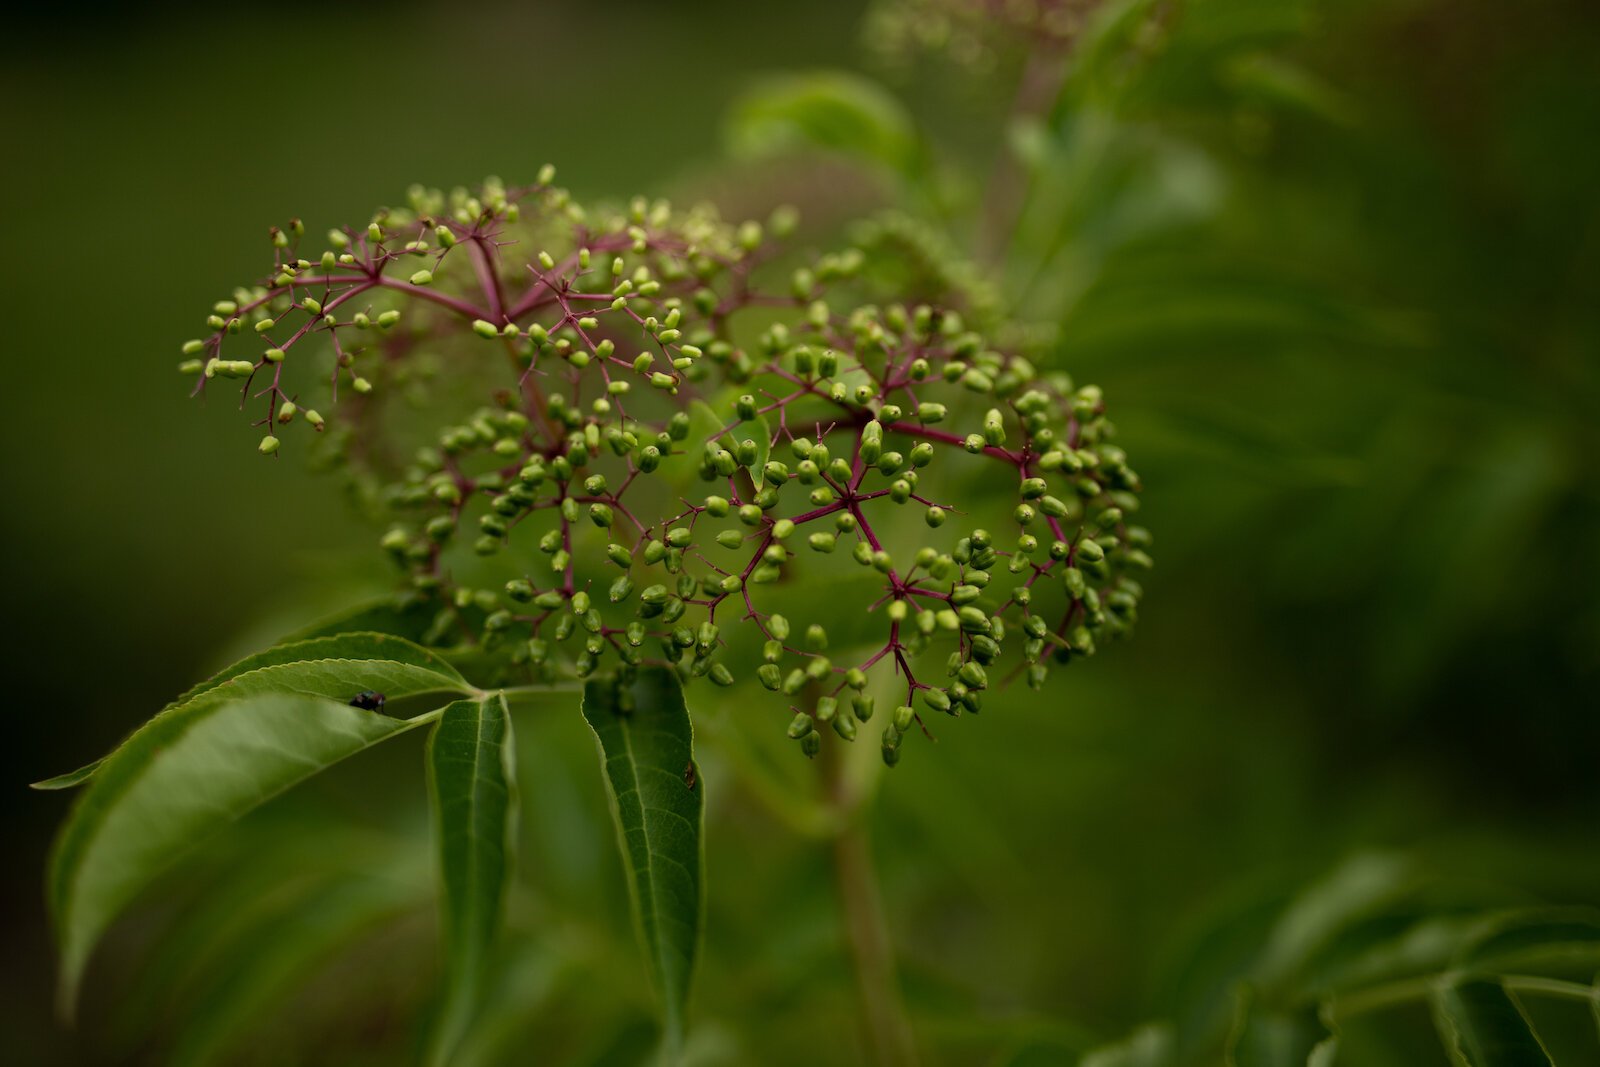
(607,438)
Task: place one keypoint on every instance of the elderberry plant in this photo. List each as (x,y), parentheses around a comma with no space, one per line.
(649,421)
(609,449)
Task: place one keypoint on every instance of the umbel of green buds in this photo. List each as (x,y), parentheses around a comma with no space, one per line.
(601,437)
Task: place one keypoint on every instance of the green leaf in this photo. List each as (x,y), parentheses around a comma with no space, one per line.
(1481,1026)
(71,779)
(758,431)
(226,747)
(1149,1046)
(177,781)
(646,744)
(706,425)
(832,110)
(471,777)
(528,975)
(330,650)
(415,663)
(1265,1036)
(1535,938)
(1360,887)
(280,958)
(257,884)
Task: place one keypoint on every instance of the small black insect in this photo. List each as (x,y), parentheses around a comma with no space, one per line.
(367,700)
(690,776)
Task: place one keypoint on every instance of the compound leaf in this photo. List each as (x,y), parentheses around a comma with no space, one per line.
(223,749)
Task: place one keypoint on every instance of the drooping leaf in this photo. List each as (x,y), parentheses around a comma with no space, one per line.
(211,758)
(1481,1026)
(1358,888)
(646,744)
(374,647)
(470,773)
(832,110)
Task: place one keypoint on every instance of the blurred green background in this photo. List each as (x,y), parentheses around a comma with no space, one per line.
(1337,267)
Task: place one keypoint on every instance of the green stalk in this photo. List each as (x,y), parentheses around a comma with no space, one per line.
(883,1012)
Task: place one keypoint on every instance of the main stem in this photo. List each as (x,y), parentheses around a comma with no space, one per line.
(888,1029)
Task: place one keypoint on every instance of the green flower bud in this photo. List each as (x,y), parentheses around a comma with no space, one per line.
(973,675)
(1079,639)
(994,430)
(973,620)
